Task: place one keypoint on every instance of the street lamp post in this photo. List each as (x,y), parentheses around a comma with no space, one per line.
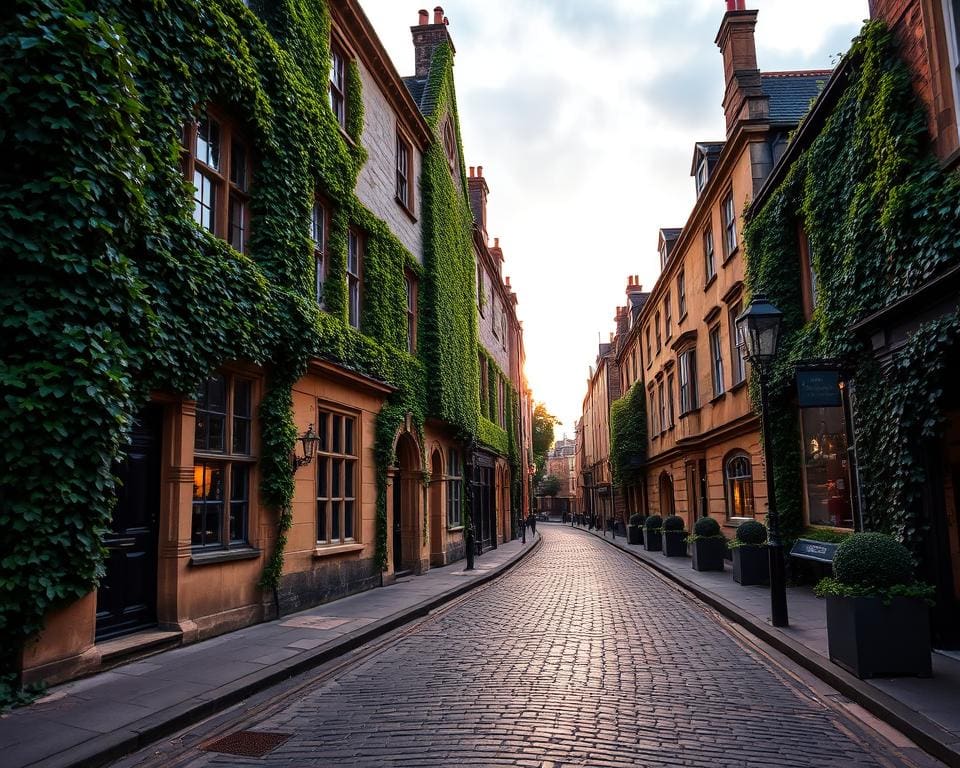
(759,331)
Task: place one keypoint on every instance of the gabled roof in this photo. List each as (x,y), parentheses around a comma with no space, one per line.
(711,149)
(791,93)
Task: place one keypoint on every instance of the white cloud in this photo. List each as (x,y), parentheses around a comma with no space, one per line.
(584,116)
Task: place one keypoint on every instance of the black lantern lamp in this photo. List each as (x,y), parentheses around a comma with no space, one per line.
(308,447)
(759,331)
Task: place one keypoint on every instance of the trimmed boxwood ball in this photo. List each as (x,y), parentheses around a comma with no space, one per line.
(706,526)
(873,558)
(653,522)
(636,519)
(673,523)
(752,532)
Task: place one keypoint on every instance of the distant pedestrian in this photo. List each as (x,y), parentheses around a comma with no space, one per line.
(533,524)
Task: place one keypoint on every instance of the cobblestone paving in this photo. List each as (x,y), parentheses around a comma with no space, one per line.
(578,657)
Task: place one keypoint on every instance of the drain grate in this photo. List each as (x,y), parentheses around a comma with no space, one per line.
(247,743)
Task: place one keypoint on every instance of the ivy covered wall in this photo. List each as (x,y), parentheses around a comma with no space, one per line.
(881,217)
(112,291)
(628,437)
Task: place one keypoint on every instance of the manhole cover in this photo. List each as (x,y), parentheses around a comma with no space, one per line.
(247,743)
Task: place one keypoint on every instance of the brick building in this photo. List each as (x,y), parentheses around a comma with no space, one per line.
(904,326)
(192,534)
(561,464)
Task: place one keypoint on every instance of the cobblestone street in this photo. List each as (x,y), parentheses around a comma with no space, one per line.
(577,657)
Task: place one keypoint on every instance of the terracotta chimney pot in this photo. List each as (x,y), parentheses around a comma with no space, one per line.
(438,15)
(424,17)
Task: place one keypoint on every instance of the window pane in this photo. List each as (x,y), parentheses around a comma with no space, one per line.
(337,432)
(348,425)
(238,165)
(335,510)
(825,469)
(348,507)
(322,421)
(322,482)
(322,520)
(242,416)
(318,224)
(237,223)
(335,478)
(239,502)
(204,201)
(208,142)
(320,276)
(348,467)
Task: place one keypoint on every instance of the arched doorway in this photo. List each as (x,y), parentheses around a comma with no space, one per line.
(436,508)
(666,495)
(406,505)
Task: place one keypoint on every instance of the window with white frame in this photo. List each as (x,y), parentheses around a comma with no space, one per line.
(729,225)
(951,26)
(681,294)
(318,233)
(709,257)
(716,361)
(688,380)
(338,99)
(671,413)
(354,257)
(738,367)
(738,484)
(667,318)
(662,406)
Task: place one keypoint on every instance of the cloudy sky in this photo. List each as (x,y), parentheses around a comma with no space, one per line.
(583,114)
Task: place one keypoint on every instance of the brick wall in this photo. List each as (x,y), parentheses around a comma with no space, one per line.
(918,26)
(376,184)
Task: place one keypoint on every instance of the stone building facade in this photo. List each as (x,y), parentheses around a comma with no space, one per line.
(192,536)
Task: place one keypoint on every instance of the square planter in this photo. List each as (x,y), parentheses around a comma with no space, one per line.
(674,543)
(634,534)
(708,554)
(751,565)
(871,639)
(652,541)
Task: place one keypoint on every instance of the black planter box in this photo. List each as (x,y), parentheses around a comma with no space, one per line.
(751,565)
(871,639)
(708,554)
(652,541)
(634,534)
(674,543)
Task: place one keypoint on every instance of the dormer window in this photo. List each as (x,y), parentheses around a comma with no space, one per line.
(703,173)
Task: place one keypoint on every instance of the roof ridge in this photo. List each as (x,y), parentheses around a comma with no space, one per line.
(798,73)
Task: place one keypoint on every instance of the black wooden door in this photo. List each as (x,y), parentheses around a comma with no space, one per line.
(397,524)
(127,598)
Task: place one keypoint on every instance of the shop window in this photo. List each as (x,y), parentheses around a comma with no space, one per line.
(729,226)
(454,489)
(318,233)
(338,99)
(354,259)
(220,168)
(738,483)
(689,399)
(337,478)
(826,473)
(223,459)
(716,361)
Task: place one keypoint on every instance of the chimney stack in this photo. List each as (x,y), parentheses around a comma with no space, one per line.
(427,37)
(478,190)
(633,284)
(743,97)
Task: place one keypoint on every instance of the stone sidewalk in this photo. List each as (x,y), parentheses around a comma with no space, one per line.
(925,710)
(92,721)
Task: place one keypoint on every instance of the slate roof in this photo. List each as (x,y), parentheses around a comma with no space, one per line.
(791,93)
(670,233)
(416,86)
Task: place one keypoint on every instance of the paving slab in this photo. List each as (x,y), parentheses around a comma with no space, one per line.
(92,721)
(925,709)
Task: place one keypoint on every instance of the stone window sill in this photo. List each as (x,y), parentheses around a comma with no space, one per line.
(337,549)
(218,556)
(406,209)
(739,385)
(454,528)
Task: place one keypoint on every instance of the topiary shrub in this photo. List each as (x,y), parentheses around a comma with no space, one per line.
(636,519)
(751,532)
(706,527)
(673,523)
(653,523)
(873,559)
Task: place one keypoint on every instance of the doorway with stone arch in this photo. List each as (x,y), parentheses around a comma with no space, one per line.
(666,495)
(437,554)
(406,507)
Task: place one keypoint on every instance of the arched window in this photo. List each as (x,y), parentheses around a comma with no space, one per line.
(738,483)
(450,143)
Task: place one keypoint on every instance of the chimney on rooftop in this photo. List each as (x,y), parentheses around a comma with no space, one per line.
(478,191)
(427,37)
(743,97)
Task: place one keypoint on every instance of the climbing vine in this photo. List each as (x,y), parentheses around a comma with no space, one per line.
(111,291)
(628,437)
(881,217)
